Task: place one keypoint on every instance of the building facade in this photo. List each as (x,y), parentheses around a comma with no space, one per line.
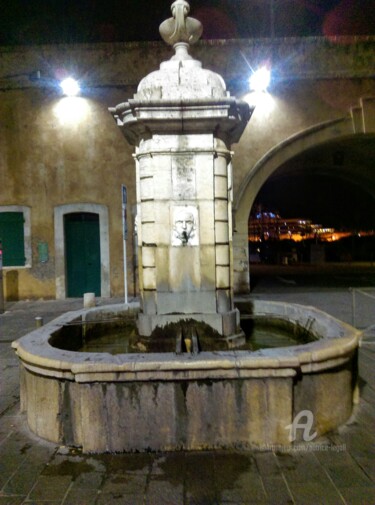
(64,164)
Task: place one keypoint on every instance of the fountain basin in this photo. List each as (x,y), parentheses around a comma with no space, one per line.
(164,401)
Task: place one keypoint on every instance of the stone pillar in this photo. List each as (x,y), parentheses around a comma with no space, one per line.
(184,231)
(183,122)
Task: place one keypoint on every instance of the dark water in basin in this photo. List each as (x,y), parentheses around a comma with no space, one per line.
(116,343)
(122,338)
(259,335)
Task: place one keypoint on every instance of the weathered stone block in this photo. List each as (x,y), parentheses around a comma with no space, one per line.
(221,165)
(187,302)
(94,417)
(149,234)
(317,392)
(148,302)
(162,176)
(184,269)
(148,211)
(224,303)
(222,277)
(46,396)
(221,210)
(147,190)
(221,187)
(208,272)
(206,223)
(222,255)
(204,177)
(148,256)
(221,232)
(184,177)
(229,323)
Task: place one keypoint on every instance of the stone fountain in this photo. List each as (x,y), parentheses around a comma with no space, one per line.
(183,122)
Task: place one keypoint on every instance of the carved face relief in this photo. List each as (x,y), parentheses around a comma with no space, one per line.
(184,226)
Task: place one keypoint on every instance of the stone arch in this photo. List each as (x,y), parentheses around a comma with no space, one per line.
(59,213)
(263,169)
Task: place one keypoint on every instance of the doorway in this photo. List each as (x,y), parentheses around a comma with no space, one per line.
(82,254)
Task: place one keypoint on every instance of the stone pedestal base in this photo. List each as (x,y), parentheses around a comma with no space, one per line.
(227,324)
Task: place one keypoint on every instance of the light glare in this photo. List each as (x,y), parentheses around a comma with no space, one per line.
(71,110)
(70,87)
(260,80)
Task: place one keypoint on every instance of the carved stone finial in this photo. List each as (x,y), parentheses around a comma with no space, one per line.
(180,28)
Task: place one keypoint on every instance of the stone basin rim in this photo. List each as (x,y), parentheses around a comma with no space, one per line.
(337,344)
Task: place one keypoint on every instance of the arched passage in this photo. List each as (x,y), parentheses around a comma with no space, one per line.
(318,135)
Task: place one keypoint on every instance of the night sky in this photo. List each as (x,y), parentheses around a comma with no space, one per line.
(327,200)
(76,21)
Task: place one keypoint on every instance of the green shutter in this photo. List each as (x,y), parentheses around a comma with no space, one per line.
(12,238)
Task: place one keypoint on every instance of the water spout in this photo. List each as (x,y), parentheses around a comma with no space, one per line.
(187,340)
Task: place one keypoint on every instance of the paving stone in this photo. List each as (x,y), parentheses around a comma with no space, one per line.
(359,495)
(199,460)
(348,475)
(42,502)
(267,464)
(81,497)
(130,463)
(234,463)
(201,499)
(276,490)
(40,453)
(71,466)
(307,467)
(359,445)
(125,484)
(312,493)
(200,478)
(119,499)
(9,462)
(7,401)
(367,393)
(11,500)
(368,466)
(334,457)
(247,486)
(172,464)
(23,480)
(164,493)
(50,488)
(230,502)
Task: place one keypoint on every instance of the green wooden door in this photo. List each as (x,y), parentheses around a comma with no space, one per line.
(82,253)
(12,238)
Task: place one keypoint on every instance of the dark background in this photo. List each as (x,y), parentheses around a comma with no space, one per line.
(78,21)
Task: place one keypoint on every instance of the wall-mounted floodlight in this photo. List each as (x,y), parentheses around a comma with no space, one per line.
(260,79)
(70,87)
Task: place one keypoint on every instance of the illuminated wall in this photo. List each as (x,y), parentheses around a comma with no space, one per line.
(57,152)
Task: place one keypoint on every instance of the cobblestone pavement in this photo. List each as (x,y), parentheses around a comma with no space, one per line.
(335,469)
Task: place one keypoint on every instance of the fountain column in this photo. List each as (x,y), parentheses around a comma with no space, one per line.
(183,122)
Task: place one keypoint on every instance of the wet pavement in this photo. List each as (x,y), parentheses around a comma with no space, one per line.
(335,469)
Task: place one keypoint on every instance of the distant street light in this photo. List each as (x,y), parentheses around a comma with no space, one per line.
(70,86)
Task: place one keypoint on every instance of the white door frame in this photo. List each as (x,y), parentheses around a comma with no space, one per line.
(60,273)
